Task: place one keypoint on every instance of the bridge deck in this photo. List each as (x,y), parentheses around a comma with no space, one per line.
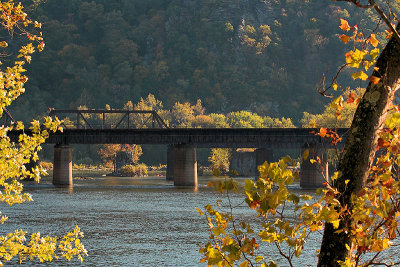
(199,137)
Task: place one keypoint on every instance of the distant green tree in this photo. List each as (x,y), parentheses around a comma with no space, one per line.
(220,120)
(244,119)
(182,114)
(220,160)
(149,103)
(278,123)
(329,118)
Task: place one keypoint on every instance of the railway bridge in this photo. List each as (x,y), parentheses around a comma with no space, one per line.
(146,127)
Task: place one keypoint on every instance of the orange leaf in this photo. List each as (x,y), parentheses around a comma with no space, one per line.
(388,183)
(322,132)
(389,34)
(382,143)
(345,39)
(344,25)
(374,79)
(373,40)
(254,204)
(351,98)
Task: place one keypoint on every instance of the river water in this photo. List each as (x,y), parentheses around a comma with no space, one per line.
(129,221)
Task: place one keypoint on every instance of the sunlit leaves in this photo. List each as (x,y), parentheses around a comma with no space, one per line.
(355,58)
(43,248)
(15,156)
(232,241)
(363,57)
(337,104)
(374,215)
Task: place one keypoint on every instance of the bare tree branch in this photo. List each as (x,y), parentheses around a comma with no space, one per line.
(356,2)
(375,6)
(385,19)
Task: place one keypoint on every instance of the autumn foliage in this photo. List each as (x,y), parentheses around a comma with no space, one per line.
(364,219)
(15,156)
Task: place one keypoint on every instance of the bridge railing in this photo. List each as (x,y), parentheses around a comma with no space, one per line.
(108,119)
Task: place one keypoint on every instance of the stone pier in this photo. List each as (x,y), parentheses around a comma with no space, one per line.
(243,163)
(311,174)
(170,163)
(185,165)
(62,167)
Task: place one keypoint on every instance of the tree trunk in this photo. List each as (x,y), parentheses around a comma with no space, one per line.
(359,149)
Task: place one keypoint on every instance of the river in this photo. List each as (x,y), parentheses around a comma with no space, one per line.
(128,221)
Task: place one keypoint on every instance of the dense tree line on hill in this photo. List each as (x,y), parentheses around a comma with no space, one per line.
(262,56)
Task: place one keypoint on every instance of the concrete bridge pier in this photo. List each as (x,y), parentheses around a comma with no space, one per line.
(170,163)
(311,174)
(185,165)
(263,155)
(62,166)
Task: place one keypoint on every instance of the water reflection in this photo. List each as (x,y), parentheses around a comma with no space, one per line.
(129,222)
(67,188)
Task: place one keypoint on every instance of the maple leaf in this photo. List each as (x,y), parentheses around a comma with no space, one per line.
(344,38)
(344,25)
(373,41)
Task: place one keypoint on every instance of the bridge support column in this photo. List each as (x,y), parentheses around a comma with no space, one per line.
(262,155)
(62,167)
(185,166)
(170,163)
(311,174)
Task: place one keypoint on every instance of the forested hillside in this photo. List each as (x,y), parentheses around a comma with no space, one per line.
(109,52)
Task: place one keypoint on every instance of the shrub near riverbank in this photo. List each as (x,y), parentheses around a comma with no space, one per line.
(46,165)
(134,170)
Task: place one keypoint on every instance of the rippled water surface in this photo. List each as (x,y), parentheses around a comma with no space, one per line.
(127,221)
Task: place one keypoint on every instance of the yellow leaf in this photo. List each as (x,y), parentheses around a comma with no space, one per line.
(199,211)
(359,75)
(374,53)
(354,58)
(3,44)
(335,224)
